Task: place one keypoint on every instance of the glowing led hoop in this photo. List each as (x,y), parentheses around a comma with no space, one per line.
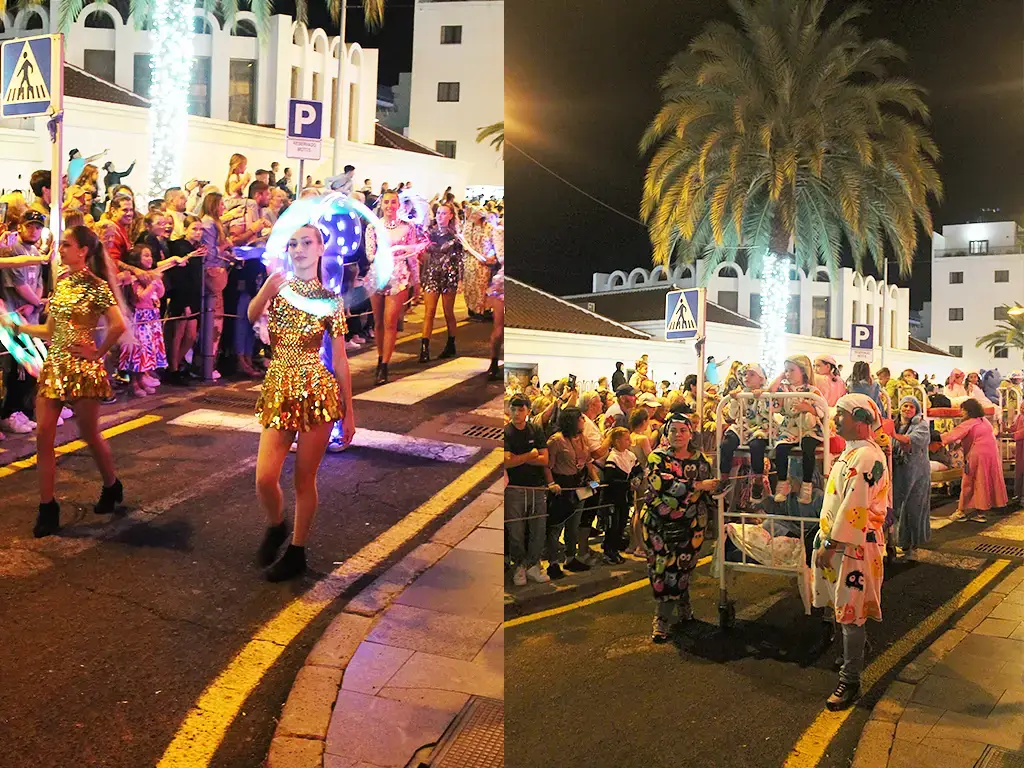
(312,211)
(28,351)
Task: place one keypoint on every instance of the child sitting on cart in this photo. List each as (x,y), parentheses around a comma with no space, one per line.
(801,424)
(752,414)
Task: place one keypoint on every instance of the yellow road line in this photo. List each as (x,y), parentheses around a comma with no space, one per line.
(813,742)
(623,590)
(203,729)
(77,445)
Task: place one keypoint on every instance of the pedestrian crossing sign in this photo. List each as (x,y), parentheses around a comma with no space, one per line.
(31,76)
(684,314)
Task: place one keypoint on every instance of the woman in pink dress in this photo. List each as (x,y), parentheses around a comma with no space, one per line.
(983,486)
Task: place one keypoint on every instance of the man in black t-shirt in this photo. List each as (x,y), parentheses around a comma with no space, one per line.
(526,455)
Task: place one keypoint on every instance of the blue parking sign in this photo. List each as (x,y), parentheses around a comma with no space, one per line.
(684,314)
(305,119)
(862,342)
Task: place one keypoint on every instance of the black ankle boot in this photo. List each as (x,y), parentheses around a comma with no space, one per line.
(291,565)
(494,372)
(382,373)
(48,521)
(110,496)
(272,541)
(449,349)
(380,362)
(424,350)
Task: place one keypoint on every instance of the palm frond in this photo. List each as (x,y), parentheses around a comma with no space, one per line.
(495,132)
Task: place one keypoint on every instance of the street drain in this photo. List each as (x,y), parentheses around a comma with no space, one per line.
(994,757)
(1000,549)
(483,433)
(476,739)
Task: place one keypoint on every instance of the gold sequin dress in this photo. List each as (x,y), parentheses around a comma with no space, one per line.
(299,392)
(79,302)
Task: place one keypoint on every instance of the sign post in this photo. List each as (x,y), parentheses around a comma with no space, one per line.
(862,343)
(305,134)
(685,313)
(32,83)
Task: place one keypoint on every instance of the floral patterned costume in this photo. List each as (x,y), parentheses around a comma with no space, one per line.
(78,303)
(299,392)
(477,276)
(407,267)
(853,513)
(497,287)
(674,520)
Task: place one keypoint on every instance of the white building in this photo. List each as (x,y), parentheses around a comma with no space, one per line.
(817,308)
(555,337)
(976,269)
(458,75)
(238,101)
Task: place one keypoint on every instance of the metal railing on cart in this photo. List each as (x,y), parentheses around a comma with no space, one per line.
(776,402)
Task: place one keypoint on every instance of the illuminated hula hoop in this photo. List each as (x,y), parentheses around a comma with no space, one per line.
(310,211)
(28,351)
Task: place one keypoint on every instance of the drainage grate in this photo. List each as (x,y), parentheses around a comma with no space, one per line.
(476,739)
(994,757)
(1000,549)
(483,433)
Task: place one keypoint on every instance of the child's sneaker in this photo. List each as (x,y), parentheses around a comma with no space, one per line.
(535,573)
(519,577)
(782,491)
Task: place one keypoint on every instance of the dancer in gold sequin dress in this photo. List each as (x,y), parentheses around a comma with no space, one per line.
(299,395)
(73,371)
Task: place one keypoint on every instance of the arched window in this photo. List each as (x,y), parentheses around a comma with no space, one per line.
(99,20)
(245,28)
(794,275)
(201,26)
(34,21)
(727,272)
(821,276)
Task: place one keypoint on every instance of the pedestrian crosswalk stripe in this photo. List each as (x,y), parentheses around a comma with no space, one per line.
(412,389)
(495,408)
(392,442)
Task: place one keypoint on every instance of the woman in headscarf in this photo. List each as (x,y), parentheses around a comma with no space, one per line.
(983,487)
(911,471)
(852,515)
(827,379)
(955,384)
(677,505)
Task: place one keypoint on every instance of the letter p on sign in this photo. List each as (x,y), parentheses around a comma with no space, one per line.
(862,342)
(304,119)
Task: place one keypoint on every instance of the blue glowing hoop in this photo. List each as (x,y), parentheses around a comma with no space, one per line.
(337,218)
(28,351)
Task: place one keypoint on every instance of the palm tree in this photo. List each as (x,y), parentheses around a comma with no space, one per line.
(1009,332)
(495,132)
(787,129)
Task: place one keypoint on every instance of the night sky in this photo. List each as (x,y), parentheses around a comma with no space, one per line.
(393,40)
(581,86)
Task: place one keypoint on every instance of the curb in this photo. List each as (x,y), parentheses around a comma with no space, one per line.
(876,740)
(301,735)
(571,593)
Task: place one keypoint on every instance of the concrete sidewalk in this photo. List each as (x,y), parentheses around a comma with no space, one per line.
(962,699)
(412,659)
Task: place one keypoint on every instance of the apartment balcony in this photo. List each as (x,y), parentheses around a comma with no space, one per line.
(997,250)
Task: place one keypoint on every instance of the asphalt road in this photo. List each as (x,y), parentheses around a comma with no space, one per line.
(587,687)
(107,641)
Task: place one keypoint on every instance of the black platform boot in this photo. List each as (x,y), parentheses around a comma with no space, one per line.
(48,521)
(449,349)
(110,497)
(382,374)
(494,372)
(424,350)
(380,362)
(291,565)
(272,541)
